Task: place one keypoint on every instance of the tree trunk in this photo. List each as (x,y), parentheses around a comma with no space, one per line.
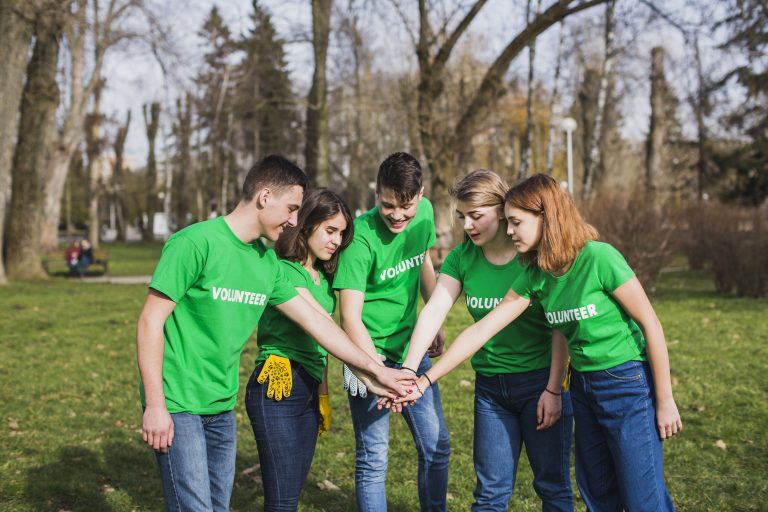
(73,118)
(118,190)
(36,124)
(184,137)
(593,157)
(151,124)
(701,104)
(316,151)
(93,144)
(657,132)
(554,102)
(15,37)
(527,159)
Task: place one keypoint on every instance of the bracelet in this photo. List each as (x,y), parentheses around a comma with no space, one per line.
(417,387)
(427,377)
(409,369)
(552,392)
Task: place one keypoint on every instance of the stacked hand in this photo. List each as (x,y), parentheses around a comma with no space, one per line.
(278,369)
(383,381)
(352,384)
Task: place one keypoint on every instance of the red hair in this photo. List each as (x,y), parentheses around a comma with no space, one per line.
(564,231)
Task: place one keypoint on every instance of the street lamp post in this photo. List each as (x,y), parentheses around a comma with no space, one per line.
(569,125)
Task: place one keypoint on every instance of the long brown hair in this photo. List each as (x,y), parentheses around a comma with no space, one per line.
(319,205)
(564,231)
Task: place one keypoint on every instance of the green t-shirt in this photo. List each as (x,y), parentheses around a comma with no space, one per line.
(579,304)
(279,335)
(522,346)
(386,267)
(221,286)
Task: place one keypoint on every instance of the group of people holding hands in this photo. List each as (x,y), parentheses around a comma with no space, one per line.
(551,306)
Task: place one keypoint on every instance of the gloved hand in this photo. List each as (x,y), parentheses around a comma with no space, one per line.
(278,369)
(353,385)
(325,416)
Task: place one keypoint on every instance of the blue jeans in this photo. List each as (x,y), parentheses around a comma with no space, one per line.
(505,419)
(199,469)
(430,434)
(286,434)
(618,449)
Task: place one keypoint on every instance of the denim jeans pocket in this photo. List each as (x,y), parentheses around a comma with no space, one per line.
(631,371)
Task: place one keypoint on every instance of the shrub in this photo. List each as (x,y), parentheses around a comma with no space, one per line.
(640,231)
(735,241)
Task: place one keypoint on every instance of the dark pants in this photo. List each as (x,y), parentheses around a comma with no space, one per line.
(286,434)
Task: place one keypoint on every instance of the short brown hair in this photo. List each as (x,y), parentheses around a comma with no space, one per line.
(319,205)
(400,173)
(272,171)
(564,231)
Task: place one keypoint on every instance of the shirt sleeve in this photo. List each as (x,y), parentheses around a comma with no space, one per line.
(525,283)
(353,268)
(283,291)
(612,268)
(179,268)
(452,264)
(295,274)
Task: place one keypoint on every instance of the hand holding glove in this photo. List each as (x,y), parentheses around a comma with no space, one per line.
(352,384)
(278,369)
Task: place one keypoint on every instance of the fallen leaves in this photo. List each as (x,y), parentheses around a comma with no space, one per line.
(327,485)
(721,444)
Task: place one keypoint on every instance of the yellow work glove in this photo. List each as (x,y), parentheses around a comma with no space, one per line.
(567,380)
(325,416)
(278,369)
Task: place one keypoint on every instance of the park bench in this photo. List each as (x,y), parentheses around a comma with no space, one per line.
(54,261)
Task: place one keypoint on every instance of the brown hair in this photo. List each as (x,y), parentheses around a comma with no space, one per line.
(319,205)
(564,231)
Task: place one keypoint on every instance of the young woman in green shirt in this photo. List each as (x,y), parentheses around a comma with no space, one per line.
(287,394)
(519,371)
(621,386)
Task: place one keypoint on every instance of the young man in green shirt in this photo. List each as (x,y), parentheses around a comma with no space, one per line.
(379,276)
(211,285)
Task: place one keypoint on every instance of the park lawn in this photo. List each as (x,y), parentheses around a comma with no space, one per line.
(71,419)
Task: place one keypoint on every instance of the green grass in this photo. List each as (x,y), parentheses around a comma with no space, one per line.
(71,419)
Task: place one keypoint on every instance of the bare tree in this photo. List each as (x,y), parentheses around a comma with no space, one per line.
(445,155)
(36,123)
(592,154)
(151,125)
(316,150)
(105,32)
(16,26)
(93,148)
(554,101)
(117,177)
(657,132)
(183,133)
(526,160)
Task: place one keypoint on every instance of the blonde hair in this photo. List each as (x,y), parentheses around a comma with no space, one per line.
(480,188)
(564,231)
